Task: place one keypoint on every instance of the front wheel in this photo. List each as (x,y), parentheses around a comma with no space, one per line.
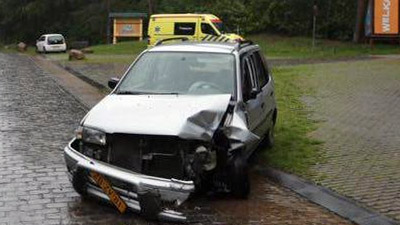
(239,175)
(79,182)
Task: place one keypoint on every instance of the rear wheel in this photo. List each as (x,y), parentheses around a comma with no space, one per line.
(270,135)
(270,138)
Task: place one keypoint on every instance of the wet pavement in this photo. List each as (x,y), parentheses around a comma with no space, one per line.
(37,119)
(358,104)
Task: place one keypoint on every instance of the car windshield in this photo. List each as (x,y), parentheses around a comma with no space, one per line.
(180,73)
(55,40)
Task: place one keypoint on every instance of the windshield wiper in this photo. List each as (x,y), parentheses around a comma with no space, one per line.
(166,93)
(145,93)
(132,93)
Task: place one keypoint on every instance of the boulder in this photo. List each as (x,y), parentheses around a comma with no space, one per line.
(22,47)
(87,50)
(75,54)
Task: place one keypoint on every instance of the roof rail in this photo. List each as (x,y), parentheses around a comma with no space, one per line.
(243,43)
(170,39)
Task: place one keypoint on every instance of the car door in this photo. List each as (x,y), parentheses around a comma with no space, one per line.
(252,96)
(266,91)
(40,43)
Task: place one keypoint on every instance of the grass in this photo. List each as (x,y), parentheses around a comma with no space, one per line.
(275,46)
(122,48)
(294,151)
(13,49)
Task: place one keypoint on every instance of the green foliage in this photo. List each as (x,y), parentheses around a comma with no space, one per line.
(25,20)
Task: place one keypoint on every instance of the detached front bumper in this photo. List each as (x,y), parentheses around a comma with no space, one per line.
(168,190)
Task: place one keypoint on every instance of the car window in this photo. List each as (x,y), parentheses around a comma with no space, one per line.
(246,79)
(42,38)
(184,28)
(182,73)
(208,29)
(55,40)
(261,72)
(254,79)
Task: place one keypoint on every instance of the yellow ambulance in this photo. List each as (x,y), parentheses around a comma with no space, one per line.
(195,27)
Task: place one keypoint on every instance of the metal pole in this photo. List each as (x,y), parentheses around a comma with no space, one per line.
(314,30)
(315,12)
(108,23)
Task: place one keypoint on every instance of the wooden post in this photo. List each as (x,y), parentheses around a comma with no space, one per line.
(141,30)
(115,31)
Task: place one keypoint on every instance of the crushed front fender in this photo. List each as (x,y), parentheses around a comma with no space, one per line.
(169,190)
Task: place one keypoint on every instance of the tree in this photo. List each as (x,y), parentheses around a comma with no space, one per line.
(358,33)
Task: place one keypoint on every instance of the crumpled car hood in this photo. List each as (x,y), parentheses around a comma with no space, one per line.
(186,116)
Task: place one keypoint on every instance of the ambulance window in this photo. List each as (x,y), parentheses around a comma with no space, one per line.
(184,28)
(208,29)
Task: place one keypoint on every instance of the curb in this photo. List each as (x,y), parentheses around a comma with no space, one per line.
(84,78)
(326,198)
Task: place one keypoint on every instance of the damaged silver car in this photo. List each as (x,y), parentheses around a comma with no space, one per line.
(184,118)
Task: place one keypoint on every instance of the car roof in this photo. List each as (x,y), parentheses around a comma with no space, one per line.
(186,46)
(52,35)
(211,16)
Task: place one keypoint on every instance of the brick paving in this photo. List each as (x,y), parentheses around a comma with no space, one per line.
(37,119)
(358,105)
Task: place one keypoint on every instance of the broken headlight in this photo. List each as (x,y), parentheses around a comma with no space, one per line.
(93,142)
(90,135)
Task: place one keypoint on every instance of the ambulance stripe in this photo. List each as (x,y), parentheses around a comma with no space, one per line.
(204,38)
(209,38)
(227,39)
(214,38)
(220,39)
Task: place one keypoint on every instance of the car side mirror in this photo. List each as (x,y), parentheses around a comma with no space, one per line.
(253,93)
(112,83)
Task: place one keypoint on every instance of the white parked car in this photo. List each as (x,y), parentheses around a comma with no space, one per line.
(51,43)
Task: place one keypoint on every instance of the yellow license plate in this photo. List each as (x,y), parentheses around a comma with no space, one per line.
(111,193)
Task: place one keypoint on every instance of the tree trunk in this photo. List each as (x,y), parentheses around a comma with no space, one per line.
(152,7)
(359,30)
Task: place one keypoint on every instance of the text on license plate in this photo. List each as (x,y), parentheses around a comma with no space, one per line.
(111,193)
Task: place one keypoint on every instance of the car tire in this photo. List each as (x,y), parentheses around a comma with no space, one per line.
(79,182)
(269,139)
(240,182)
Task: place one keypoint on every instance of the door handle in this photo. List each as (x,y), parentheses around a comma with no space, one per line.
(262,105)
(271,94)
